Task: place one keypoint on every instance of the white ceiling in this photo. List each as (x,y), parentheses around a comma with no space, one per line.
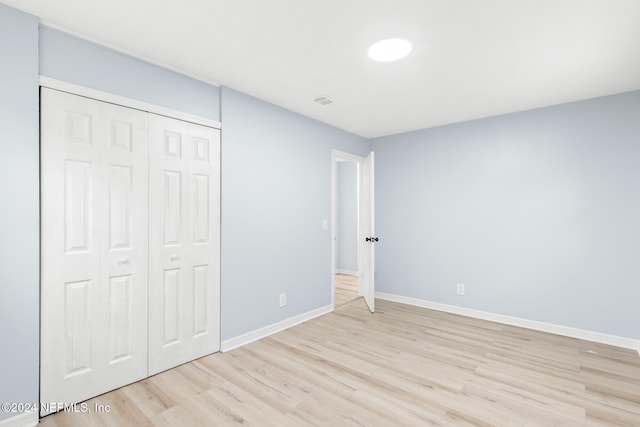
(470,58)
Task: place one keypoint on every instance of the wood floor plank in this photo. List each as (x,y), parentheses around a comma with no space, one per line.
(402,366)
(148,397)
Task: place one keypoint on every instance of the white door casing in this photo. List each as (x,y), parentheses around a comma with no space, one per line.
(367,231)
(184,289)
(94,247)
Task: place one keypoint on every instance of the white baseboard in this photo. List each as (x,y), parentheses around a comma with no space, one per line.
(244,339)
(26,419)
(347,272)
(516,321)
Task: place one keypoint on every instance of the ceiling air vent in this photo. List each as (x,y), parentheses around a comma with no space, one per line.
(324,101)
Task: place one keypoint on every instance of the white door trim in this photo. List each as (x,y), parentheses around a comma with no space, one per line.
(336,157)
(125,102)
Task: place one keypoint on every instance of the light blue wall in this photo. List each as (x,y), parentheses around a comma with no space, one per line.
(68,58)
(19,216)
(537,213)
(347,217)
(276,191)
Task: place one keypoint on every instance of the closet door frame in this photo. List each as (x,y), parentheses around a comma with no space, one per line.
(99,95)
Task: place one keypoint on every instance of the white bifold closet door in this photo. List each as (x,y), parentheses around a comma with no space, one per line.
(130,245)
(184,201)
(94,239)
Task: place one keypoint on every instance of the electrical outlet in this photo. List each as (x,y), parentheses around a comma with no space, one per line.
(283,300)
(460,289)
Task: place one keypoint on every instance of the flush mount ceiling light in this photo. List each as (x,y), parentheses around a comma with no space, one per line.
(389,50)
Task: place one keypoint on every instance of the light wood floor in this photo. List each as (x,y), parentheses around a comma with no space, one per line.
(402,366)
(346,289)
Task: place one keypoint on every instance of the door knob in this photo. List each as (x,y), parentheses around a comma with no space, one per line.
(174,257)
(371,239)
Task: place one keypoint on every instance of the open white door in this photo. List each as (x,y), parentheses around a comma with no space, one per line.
(367,232)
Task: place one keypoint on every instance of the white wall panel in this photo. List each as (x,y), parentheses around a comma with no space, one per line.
(77,328)
(120,322)
(77,209)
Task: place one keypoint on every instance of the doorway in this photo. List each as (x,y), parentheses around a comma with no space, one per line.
(352,229)
(346,239)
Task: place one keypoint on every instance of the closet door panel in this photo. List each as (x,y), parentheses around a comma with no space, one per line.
(94,247)
(184,265)
(204,239)
(168,272)
(70,283)
(125,137)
